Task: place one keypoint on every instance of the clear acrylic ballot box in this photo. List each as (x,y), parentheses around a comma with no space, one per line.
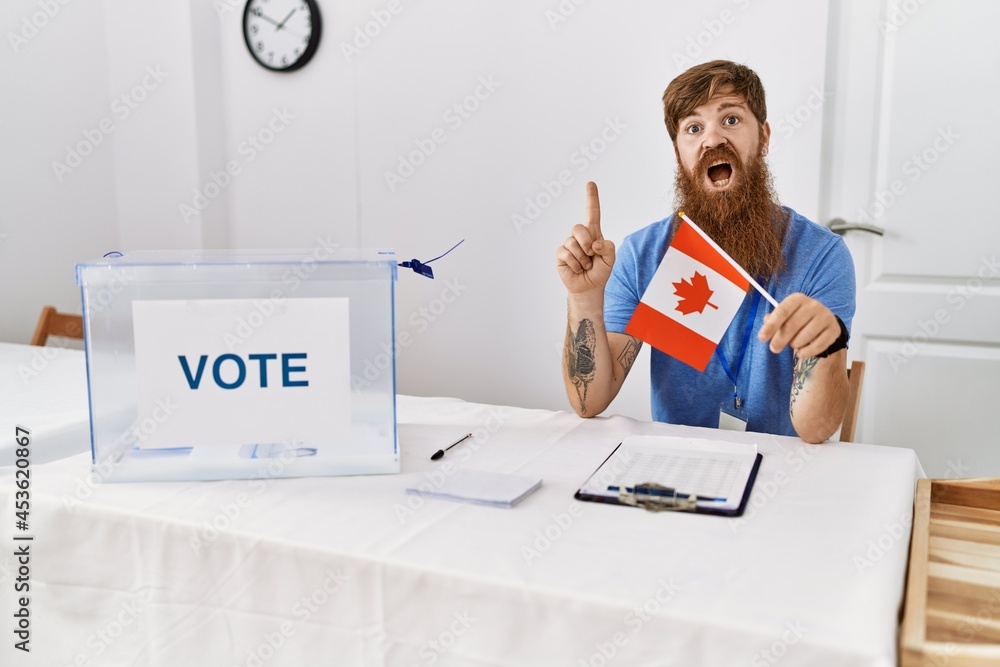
(240,364)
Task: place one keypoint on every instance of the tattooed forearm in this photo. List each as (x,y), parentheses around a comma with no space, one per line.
(628,355)
(800,373)
(580,365)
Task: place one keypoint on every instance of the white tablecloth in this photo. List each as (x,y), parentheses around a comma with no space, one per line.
(353,571)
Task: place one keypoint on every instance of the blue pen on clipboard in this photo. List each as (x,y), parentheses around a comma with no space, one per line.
(666,493)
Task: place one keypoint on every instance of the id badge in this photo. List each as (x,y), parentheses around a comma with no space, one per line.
(733,415)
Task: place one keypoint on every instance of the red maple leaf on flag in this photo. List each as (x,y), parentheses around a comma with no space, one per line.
(694,295)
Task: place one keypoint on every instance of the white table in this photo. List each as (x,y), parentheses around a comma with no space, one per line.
(353,571)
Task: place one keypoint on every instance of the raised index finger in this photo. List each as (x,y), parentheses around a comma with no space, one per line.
(593,212)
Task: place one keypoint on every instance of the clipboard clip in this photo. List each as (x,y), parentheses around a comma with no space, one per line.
(655,497)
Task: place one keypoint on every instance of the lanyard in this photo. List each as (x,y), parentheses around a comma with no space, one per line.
(737,402)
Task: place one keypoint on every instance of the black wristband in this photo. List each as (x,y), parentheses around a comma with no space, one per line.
(838,344)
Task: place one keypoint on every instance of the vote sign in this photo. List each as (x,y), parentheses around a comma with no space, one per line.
(242,371)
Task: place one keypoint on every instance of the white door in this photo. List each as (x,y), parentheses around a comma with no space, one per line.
(912,146)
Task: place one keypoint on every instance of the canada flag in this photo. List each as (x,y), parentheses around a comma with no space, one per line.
(692,299)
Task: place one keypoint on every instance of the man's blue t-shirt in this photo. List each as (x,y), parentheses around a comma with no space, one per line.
(817,263)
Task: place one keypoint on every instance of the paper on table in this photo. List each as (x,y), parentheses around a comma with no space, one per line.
(690,466)
(481,487)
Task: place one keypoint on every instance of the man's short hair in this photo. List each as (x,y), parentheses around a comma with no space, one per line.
(699,84)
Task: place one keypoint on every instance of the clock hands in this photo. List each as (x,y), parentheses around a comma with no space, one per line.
(280,25)
(277,26)
(269,19)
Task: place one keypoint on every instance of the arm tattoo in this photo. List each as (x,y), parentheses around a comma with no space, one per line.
(628,355)
(580,351)
(800,373)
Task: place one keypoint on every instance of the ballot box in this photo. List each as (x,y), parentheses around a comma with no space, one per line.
(240,364)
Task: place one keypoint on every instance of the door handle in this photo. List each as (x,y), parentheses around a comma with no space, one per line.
(839,226)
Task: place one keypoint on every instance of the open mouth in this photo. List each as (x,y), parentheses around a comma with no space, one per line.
(719,173)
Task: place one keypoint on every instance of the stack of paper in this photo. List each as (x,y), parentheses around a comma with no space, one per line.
(481,487)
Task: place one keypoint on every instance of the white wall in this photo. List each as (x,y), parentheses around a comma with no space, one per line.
(55,87)
(303,185)
(323,177)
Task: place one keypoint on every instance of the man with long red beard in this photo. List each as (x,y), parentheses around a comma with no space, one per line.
(796,383)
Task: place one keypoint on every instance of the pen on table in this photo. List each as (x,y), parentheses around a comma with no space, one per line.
(439,453)
(670,493)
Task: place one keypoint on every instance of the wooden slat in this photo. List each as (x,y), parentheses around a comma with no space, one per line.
(913,632)
(964,546)
(961,530)
(976,585)
(963,575)
(976,561)
(975,514)
(948,602)
(984,493)
(945,626)
(945,653)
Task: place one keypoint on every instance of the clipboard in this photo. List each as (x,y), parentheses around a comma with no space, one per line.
(584,495)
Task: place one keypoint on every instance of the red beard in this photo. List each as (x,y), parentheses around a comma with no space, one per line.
(745,220)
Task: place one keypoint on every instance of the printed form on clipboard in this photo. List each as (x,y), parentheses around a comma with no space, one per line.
(715,477)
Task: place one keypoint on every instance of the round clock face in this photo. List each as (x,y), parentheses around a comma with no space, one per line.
(282,35)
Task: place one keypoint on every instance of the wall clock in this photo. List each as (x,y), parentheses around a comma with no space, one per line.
(282,35)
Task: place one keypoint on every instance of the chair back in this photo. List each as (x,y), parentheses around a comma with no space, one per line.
(855,375)
(53,323)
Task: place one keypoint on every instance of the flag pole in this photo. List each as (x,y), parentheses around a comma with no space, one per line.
(731,260)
